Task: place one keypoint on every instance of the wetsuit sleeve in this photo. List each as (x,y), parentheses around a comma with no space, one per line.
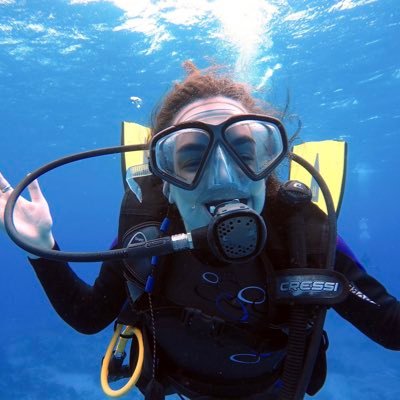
(88,309)
(369,306)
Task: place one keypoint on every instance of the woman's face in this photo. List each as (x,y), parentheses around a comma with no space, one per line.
(222,180)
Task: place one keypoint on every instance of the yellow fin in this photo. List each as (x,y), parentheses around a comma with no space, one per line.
(133,133)
(329,158)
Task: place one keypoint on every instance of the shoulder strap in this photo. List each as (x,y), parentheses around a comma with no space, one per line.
(316,235)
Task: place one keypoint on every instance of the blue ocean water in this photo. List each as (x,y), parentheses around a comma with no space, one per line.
(68,70)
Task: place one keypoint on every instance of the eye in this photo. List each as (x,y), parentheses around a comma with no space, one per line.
(241,140)
(189,163)
(246,151)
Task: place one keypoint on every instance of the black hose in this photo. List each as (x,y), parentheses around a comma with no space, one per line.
(298,318)
(296,345)
(332,233)
(55,254)
(316,336)
(297,368)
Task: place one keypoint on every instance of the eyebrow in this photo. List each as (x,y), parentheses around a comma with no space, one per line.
(191,147)
(242,140)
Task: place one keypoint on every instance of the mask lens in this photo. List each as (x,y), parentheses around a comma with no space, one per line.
(257,143)
(181,153)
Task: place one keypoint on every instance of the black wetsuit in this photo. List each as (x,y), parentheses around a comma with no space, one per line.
(216,328)
(89,309)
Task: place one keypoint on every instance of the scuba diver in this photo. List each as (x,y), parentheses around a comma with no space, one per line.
(212,327)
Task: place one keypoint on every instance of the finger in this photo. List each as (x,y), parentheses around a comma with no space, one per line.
(34,191)
(4,185)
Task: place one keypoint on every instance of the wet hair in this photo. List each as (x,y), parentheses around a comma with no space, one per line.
(202,84)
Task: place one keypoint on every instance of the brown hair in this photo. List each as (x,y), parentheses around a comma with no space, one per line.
(202,85)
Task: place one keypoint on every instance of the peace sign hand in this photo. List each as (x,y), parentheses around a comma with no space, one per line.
(32,219)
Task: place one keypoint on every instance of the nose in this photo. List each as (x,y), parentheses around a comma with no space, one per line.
(221,172)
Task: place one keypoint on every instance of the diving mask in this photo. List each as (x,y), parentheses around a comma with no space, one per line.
(179,154)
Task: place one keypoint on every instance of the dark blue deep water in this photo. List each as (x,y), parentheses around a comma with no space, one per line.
(67,72)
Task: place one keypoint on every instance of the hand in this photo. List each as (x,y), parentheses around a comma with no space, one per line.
(32,219)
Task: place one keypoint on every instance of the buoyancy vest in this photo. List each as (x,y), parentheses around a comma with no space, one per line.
(216,327)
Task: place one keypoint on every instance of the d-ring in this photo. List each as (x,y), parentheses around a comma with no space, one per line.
(6,188)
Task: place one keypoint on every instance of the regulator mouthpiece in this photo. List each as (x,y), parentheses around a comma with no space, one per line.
(236,233)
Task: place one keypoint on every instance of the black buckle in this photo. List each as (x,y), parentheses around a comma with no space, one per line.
(195,319)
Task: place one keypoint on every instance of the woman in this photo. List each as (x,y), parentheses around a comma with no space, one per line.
(218,335)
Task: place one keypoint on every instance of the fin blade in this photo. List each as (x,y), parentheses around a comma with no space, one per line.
(133,133)
(329,158)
